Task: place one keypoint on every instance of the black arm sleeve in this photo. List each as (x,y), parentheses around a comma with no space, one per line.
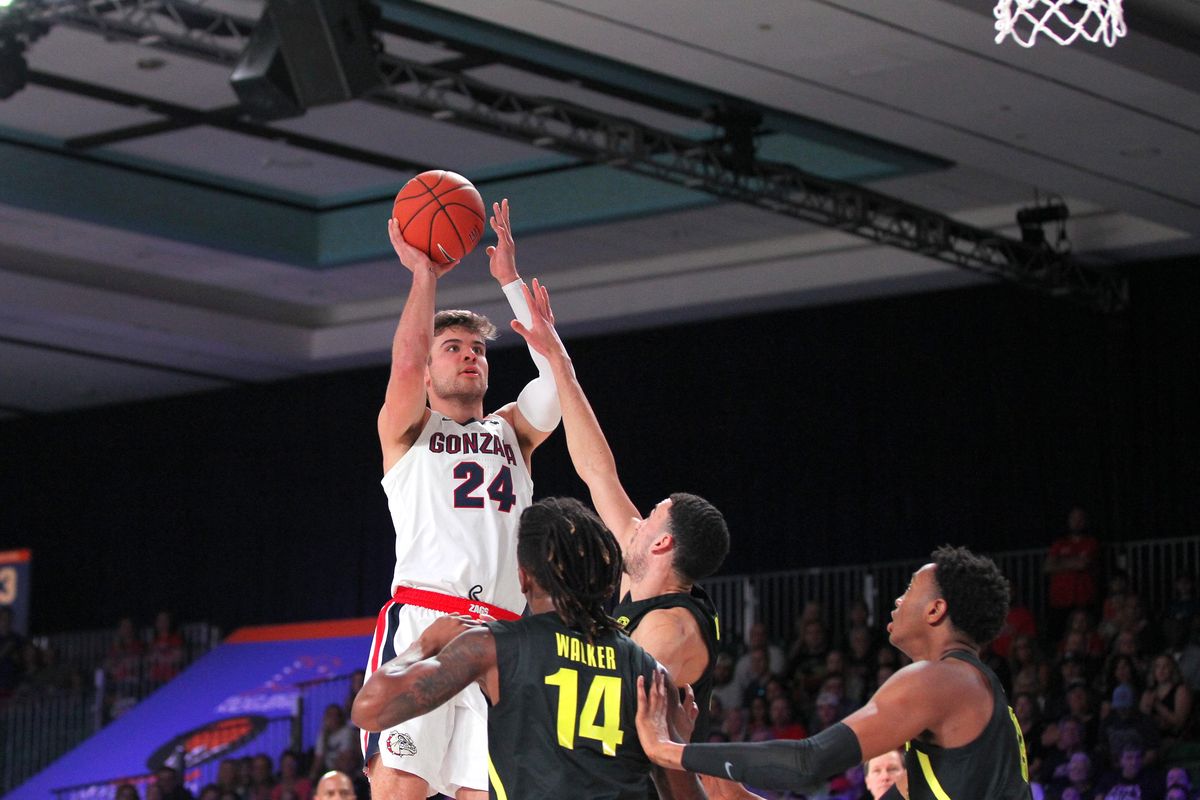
(780,764)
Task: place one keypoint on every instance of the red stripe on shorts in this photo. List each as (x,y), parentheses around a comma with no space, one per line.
(436,601)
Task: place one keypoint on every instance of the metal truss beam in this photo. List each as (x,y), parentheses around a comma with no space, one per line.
(719,168)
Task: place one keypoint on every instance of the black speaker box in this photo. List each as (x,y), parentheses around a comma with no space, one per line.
(328,48)
(261,79)
(307,53)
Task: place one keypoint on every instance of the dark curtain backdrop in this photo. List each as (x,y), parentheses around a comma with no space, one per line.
(854,432)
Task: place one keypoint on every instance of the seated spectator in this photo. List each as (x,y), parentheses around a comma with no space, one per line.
(783,723)
(1119,587)
(335,736)
(806,659)
(1080,706)
(885,772)
(1077,776)
(1018,622)
(1178,778)
(1081,637)
(123,666)
(1134,620)
(1177,793)
(1168,700)
(334,785)
(1132,778)
(262,778)
(759,676)
(357,678)
(46,675)
(1029,719)
(827,712)
(1177,618)
(227,777)
(210,791)
(756,638)
(166,780)
(165,657)
(758,724)
(860,660)
(127,791)
(1025,657)
(1126,726)
(1121,669)
(11,644)
(733,726)
(245,775)
(724,688)
(350,763)
(1066,741)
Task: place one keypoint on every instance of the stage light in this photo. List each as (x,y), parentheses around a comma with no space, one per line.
(1032,219)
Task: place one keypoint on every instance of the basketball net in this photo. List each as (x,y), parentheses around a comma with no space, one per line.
(1064,21)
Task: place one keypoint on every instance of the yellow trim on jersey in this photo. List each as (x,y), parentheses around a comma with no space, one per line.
(930,778)
(495,779)
(717,626)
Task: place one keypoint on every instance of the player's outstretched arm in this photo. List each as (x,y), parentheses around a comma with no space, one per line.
(901,709)
(403,409)
(590,453)
(418,681)
(536,413)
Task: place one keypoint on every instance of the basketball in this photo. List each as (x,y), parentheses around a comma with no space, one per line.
(440,208)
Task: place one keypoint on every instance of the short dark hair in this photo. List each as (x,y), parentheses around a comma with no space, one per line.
(701,536)
(468,320)
(975,591)
(565,547)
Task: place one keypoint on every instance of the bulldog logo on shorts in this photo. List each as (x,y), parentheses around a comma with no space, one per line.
(401,744)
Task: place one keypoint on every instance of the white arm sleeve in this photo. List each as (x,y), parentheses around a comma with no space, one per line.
(538,401)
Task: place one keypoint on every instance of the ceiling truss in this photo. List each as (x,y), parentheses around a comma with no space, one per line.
(720,167)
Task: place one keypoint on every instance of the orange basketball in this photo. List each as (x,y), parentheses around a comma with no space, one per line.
(440,208)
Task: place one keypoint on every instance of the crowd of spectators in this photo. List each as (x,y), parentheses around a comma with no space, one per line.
(293,775)
(139,662)
(135,664)
(1101,685)
(29,671)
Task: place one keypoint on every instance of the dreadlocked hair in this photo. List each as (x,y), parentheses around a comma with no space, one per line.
(565,547)
(975,591)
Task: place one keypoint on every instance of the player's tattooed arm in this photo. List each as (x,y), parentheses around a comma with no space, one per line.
(404,688)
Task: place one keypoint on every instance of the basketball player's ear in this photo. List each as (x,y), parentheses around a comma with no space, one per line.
(664,542)
(524,580)
(935,612)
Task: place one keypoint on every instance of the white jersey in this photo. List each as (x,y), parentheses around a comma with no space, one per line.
(456,498)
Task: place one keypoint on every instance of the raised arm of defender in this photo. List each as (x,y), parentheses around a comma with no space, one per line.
(536,412)
(590,453)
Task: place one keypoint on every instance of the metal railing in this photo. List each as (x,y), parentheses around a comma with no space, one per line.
(38,728)
(298,732)
(777,598)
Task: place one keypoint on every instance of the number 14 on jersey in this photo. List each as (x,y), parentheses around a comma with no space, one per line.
(603,692)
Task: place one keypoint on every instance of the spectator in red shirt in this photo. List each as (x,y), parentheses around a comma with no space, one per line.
(783,726)
(165,658)
(1072,565)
